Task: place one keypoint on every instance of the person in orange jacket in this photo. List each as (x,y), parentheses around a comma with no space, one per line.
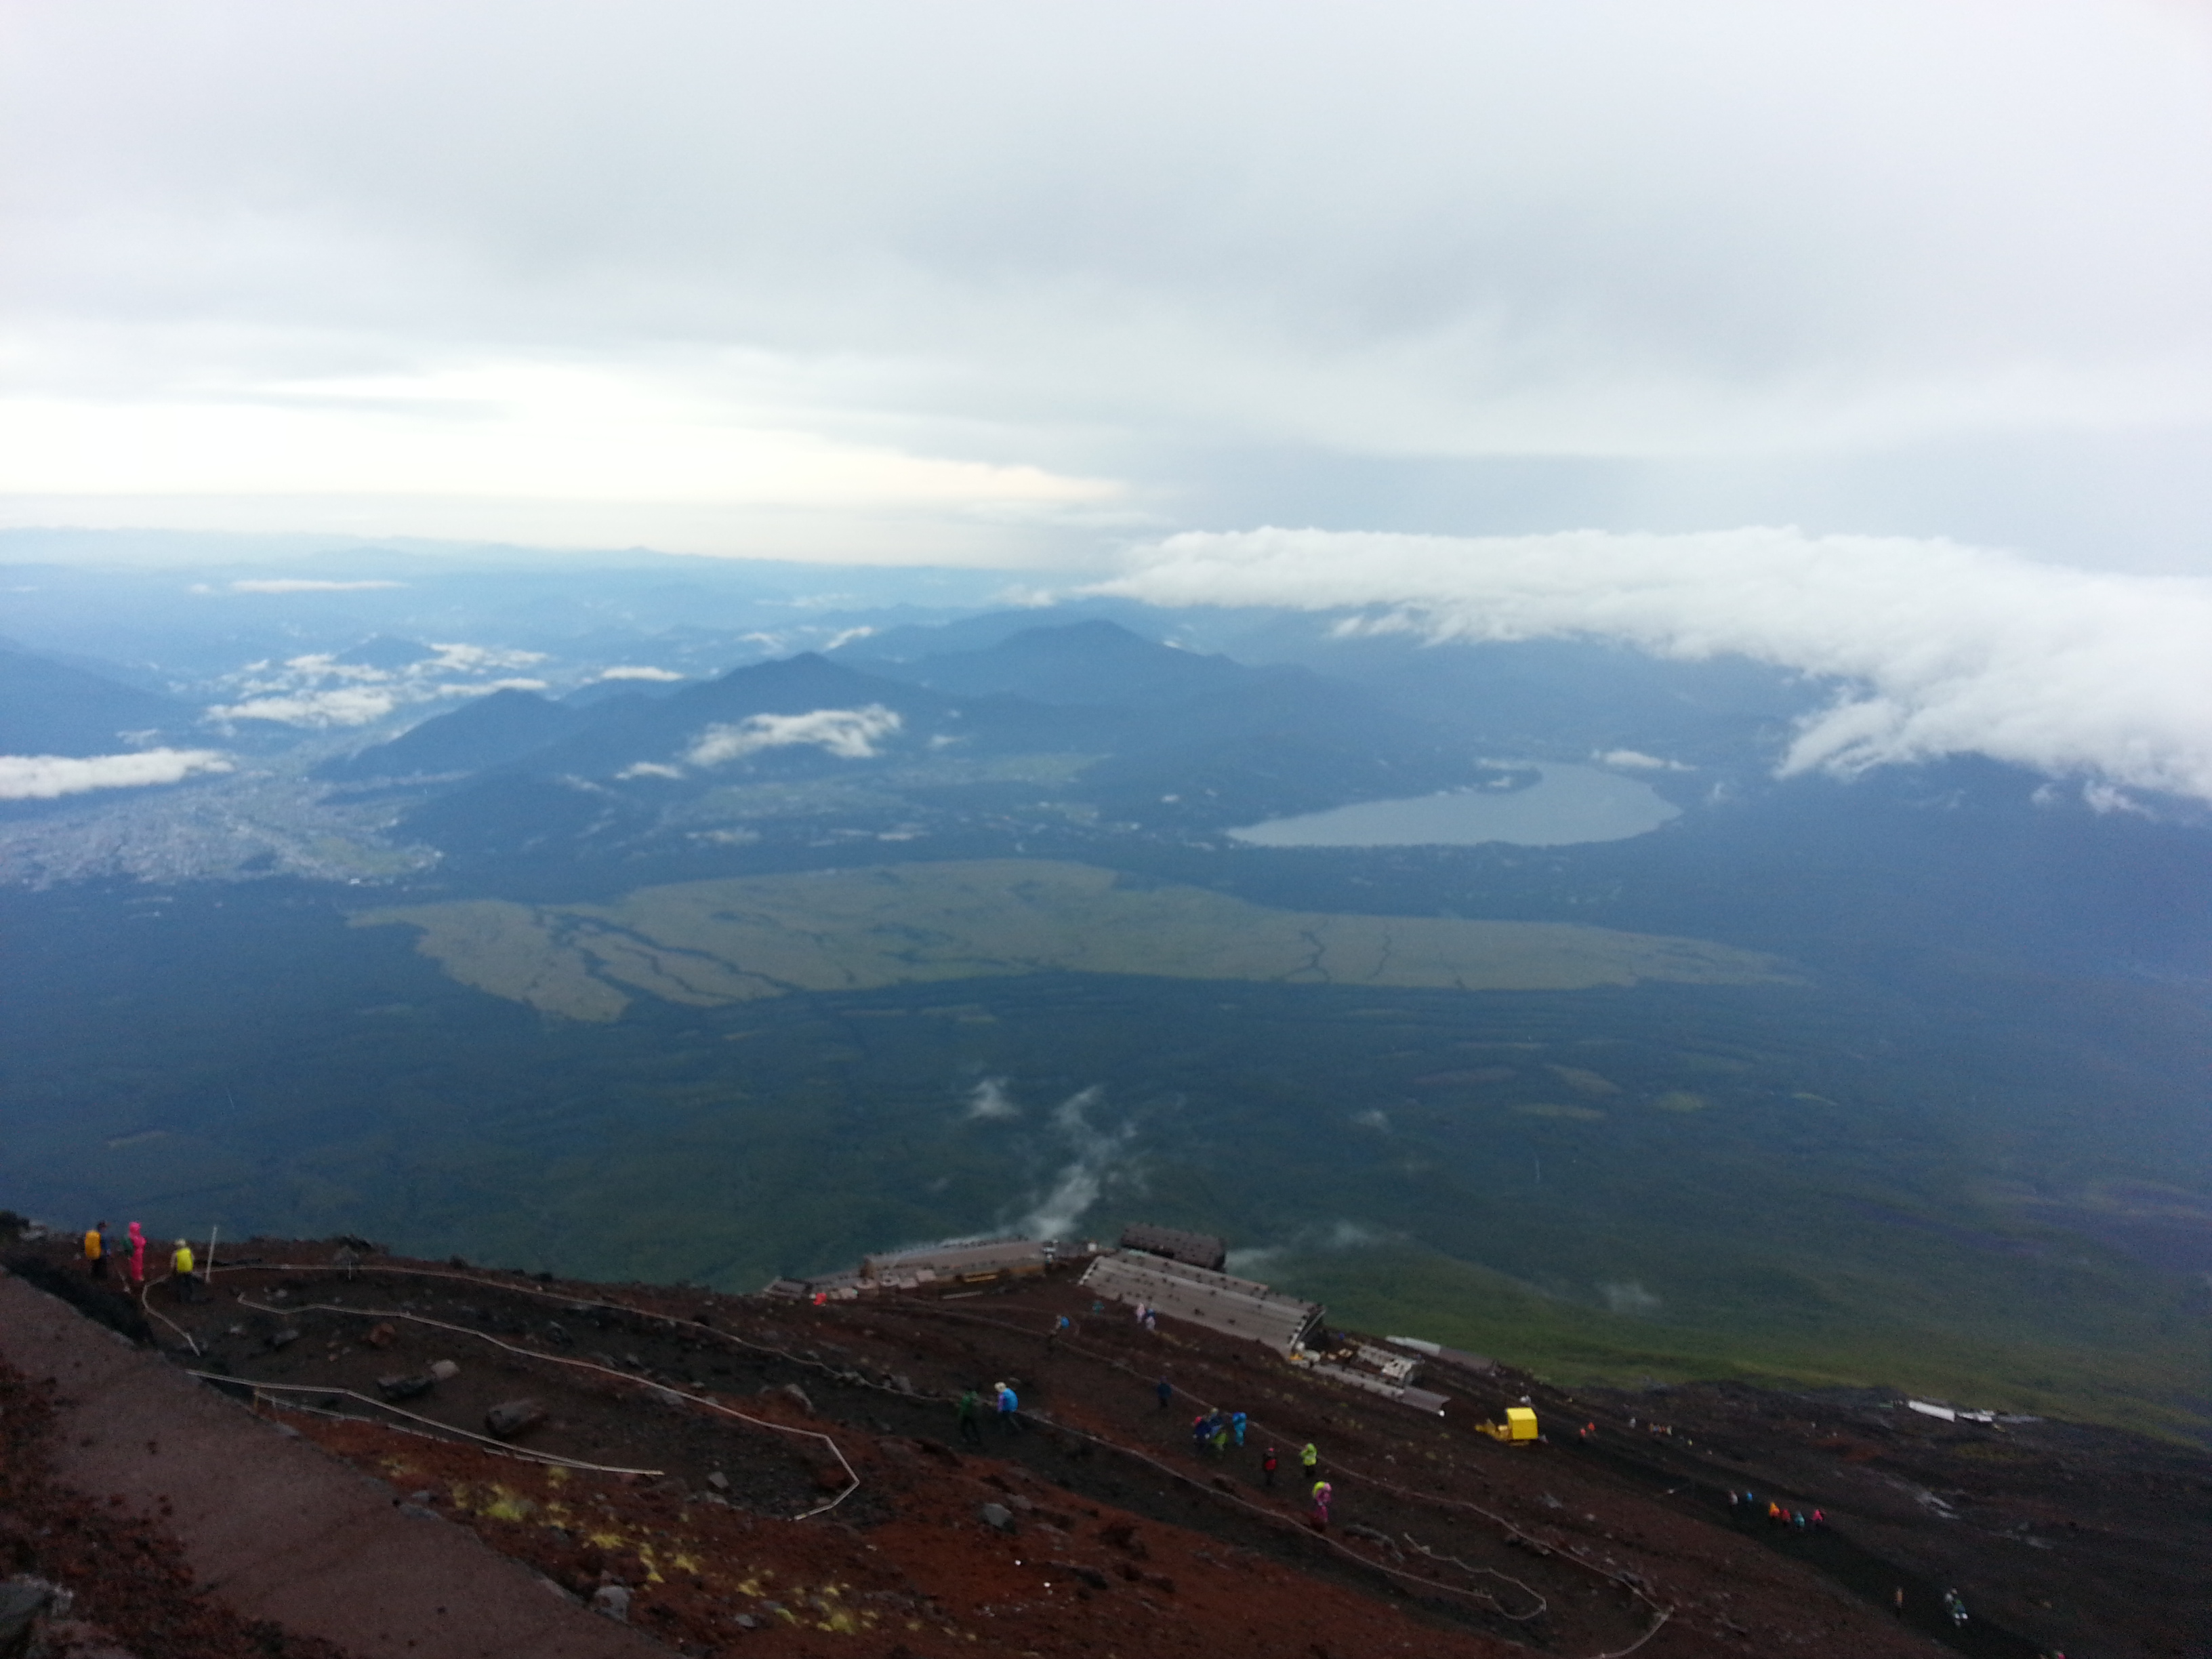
(95,1249)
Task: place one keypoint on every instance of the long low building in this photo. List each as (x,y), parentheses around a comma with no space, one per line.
(985,1258)
(1220,1301)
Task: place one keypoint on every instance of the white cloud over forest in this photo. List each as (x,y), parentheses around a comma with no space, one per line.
(48,777)
(1937,648)
(847,734)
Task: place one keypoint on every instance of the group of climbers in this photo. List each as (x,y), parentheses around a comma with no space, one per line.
(1745,1502)
(1005,1406)
(183,1266)
(1215,1431)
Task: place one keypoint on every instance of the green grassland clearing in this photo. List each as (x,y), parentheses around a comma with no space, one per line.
(712,943)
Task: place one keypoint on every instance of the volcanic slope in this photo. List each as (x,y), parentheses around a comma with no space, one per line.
(767,1472)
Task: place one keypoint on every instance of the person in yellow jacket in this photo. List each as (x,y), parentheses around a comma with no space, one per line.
(180,1265)
(95,1249)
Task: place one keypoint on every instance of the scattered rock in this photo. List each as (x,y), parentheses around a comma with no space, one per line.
(382,1336)
(444,1370)
(999,1516)
(1123,1536)
(402,1388)
(718,1481)
(613,1601)
(797,1396)
(21,1601)
(513,1417)
(1089,1576)
(283,1338)
(559,1333)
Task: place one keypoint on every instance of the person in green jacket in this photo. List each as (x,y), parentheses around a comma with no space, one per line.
(1309,1461)
(970,1429)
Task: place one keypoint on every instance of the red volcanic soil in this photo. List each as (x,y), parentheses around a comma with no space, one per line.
(130,1588)
(744,1474)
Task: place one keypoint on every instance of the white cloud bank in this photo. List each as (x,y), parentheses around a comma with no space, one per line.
(305,585)
(319,691)
(1941,648)
(847,734)
(48,777)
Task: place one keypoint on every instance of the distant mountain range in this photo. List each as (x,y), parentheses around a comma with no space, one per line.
(49,707)
(1128,728)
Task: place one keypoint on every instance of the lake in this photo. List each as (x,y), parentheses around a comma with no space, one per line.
(1568,805)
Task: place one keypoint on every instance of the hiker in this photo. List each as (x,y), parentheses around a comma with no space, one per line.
(1165,1390)
(1819,1520)
(1897,1601)
(95,1251)
(1008,1410)
(137,1256)
(1052,1337)
(1321,1492)
(1267,1468)
(1151,1323)
(1142,1311)
(1309,1461)
(1201,1430)
(1956,1605)
(1236,1430)
(970,1430)
(1221,1441)
(180,1267)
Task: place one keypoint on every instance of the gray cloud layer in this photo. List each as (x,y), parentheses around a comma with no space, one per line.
(1946,649)
(686,268)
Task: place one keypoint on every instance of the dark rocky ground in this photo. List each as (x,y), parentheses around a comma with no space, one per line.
(1120,1540)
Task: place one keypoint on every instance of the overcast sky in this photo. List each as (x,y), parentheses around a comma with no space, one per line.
(1024,283)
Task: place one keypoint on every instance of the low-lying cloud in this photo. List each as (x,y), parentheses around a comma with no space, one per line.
(989,1102)
(1080,1181)
(48,777)
(847,734)
(320,691)
(305,585)
(1938,649)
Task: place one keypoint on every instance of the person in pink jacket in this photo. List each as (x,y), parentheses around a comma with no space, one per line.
(137,1256)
